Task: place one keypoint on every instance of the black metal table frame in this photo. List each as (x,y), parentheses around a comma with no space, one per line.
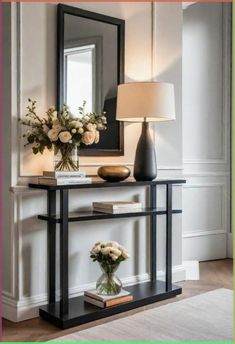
(64,232)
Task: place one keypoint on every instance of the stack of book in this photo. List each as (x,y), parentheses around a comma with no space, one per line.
(117,207)
(107,301)
(64,178)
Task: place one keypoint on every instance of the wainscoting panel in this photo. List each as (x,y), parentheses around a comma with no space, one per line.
(206,135)
(206,205)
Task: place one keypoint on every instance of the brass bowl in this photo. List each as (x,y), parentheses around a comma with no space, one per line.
(113,173)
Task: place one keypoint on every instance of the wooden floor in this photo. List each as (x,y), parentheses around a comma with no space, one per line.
(213,275)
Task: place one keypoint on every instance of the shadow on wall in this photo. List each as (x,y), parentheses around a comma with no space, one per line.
(26,270)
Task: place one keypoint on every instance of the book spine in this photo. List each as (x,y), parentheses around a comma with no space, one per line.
(117,207)
(71,182)
(117,211)
(61,174)
(118,301)
(65,181)
(94,301)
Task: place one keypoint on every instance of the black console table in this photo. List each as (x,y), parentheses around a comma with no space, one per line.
(70,312)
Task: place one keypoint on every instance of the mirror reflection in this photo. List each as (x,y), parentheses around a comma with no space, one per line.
(91,54)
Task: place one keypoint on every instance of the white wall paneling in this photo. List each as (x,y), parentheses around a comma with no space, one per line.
(206,135)
(30,60)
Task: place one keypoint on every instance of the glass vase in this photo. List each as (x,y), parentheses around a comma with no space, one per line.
(108,283)
(66,158)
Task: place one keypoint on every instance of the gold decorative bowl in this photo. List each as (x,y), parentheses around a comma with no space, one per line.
(113,173)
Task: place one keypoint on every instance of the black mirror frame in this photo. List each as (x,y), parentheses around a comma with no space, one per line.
(61,11)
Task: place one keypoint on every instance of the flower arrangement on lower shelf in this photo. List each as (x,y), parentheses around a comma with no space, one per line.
(109,255)
(62,132)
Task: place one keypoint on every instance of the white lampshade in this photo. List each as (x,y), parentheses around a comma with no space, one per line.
(150,101)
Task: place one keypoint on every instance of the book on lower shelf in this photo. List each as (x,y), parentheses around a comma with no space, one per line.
(117,207)
(64,181)
(91,296)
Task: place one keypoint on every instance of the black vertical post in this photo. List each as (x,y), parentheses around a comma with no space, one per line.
(64,252)
(153,235)
(168,237)
(51,240)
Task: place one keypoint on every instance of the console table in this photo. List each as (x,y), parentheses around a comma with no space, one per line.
(70,312)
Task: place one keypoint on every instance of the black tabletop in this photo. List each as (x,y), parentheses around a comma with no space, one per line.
(102,184)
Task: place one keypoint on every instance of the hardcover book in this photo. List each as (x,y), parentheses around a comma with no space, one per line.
(63,174)
(64,181)
(117,205)
(91,296)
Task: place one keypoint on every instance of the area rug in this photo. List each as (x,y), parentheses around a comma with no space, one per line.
(206,317)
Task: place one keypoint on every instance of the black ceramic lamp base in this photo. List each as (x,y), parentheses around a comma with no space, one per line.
(145,167)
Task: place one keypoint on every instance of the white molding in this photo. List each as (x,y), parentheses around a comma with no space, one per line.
(204,161)
(191,270)
(224,210)
(204,185)
(230,245)
(27,307)
(200,233)
(207,174)
(226,80)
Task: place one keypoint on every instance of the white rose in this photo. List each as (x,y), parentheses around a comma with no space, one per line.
(45,128)
(105,250)
(65,136)
(88,137)
(73,131)
(96,249)
(76,124)
(97,136)
(100,126)
(115,251)
(104,119)
(80,130)
(79,125)
(125,254)
(57,127)
(113,257)
(53,135)
(113,244)
(90,127)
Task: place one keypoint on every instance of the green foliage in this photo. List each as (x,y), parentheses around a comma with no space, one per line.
(49,131)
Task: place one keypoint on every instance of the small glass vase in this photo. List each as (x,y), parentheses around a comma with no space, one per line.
(108,283)
(66,158)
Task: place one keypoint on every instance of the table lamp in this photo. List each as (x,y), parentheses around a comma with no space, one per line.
(145,102)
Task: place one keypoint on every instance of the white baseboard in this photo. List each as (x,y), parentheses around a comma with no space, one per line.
(191,270)
(27,307)
(230,245)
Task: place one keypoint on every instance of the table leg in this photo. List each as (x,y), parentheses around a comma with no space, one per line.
(153,235)
(64,252)
(169,237)
(51,239)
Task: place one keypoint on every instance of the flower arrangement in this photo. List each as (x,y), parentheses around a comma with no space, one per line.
(109,255)
(62,132)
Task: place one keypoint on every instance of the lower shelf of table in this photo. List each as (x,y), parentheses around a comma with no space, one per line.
(81,312)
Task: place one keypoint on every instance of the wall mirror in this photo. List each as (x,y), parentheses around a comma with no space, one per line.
(90,66)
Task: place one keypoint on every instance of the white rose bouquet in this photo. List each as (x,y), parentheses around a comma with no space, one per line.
(62,132)
(109,255)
